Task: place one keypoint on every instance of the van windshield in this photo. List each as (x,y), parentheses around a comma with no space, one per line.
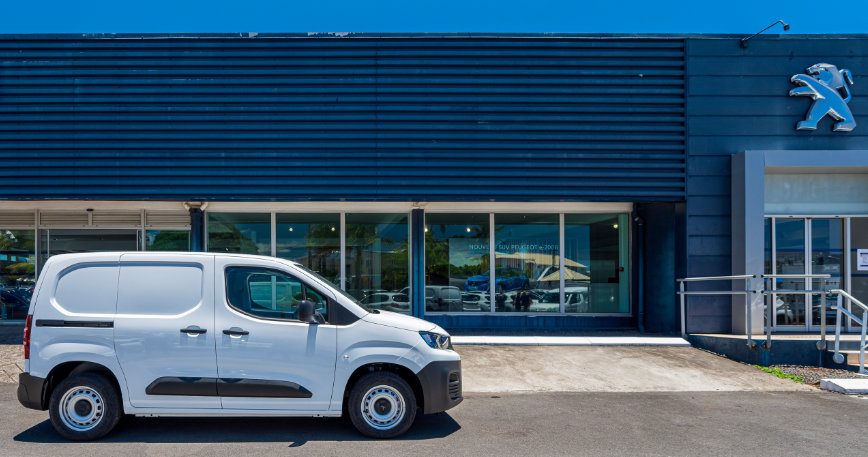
(335,287)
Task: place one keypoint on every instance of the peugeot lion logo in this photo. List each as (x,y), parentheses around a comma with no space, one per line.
(830,90)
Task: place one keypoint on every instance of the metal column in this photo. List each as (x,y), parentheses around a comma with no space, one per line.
(417,261)
(197,230)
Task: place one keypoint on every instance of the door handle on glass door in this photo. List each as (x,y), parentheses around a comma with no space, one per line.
(235,332)
(193,330)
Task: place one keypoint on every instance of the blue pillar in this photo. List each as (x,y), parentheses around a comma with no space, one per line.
(417,262)
(197,230)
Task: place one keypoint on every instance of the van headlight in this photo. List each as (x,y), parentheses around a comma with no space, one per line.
(436,340)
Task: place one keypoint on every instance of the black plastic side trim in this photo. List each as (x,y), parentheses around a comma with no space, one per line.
(441,385)
(228,387)
(338,315)
(171,385)
(62,323)
(30,389)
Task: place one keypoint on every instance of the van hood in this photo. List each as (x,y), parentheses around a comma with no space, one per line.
(402,321)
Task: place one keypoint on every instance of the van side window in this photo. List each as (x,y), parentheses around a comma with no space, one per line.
(269,294)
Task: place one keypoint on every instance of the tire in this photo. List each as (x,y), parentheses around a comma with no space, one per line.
(84,407)
(394,400)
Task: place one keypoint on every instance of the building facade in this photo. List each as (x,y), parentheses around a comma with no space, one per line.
(522,182)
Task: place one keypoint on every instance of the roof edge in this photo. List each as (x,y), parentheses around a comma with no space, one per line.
(351,35)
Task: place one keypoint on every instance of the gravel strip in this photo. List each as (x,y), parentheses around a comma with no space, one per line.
(813,375)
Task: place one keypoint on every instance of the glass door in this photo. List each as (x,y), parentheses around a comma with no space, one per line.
(827,257)
(858,247)
(789,253)
(797,245)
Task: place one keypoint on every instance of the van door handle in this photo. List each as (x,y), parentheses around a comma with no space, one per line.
(235,331)
(193,330)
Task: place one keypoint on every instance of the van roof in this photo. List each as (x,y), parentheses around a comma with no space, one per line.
(86,255)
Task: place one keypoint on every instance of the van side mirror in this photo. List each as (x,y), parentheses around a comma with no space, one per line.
(306,311)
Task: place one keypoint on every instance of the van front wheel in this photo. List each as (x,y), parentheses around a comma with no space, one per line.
(382,405)
(84,407)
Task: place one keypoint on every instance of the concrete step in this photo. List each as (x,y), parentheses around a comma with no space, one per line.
(855,386)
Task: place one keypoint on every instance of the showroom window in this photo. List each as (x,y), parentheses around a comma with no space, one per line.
(595,264)
(167,240)
(538,263)
(17,272)
(526,263)
(313,240)
(244,233)
(457,263)
(69,241)
(528,274)
(377,259)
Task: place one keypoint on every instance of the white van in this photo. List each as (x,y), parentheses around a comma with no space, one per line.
(198,334)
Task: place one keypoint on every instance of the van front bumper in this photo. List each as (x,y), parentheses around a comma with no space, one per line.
(30,390)
(441,385)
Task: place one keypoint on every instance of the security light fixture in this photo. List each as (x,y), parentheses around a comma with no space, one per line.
(743,42)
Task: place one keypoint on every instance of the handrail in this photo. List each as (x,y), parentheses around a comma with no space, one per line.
(838,357)
(716,278)
(683,293)
(767,291)
(850,297)
(793,276)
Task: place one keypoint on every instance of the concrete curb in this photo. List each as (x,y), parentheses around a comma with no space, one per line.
(854,386)
(569,341)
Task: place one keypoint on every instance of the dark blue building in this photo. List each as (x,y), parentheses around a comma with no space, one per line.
(534,182)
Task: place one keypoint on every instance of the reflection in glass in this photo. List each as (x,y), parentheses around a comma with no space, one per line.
(457,262)
(827,250)
(526,252)
(244,233)
(17,272)
(313,240)
(790,259)
(60,241)
(167,240)
(377,259)
(595,260)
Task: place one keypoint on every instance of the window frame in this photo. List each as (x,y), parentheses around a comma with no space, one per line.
(330,302)
(628,257)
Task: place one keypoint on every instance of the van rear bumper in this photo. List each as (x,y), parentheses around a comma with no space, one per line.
(30,390)
(441,385)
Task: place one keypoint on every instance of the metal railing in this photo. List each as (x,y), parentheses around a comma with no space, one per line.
(838,357)
(769,292)
(683,293)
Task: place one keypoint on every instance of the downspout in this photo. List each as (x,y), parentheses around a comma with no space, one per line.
(640,273)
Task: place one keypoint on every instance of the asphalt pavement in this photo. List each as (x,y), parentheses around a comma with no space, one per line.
(803,423)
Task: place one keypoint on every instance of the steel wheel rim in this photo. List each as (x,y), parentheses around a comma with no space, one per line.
(81,408)
(373,402)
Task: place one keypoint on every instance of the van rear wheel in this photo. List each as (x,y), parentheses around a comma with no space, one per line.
(84,407)
(382,405)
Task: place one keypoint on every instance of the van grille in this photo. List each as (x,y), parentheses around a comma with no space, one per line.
(454,385)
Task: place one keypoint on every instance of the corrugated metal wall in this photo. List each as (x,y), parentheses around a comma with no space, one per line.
(357,118)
